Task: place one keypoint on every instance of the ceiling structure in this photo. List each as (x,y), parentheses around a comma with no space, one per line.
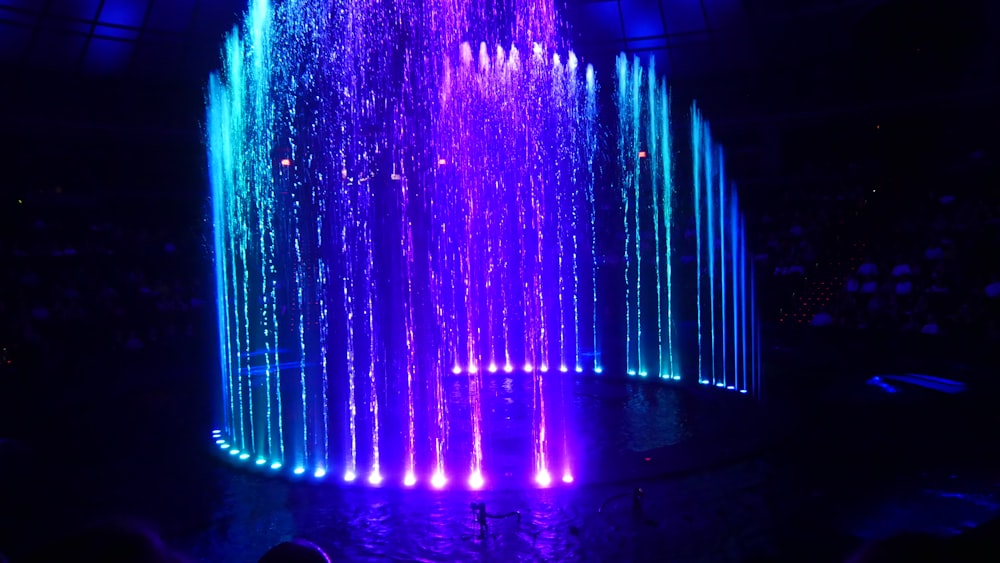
(169,38)
(691,39)
(137,66)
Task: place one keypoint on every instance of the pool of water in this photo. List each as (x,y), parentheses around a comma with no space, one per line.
(727,479)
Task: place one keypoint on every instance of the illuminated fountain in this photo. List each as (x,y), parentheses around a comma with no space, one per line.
(407,243)
(398,225)
(728,349)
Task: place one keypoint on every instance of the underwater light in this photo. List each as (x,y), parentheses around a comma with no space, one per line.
(493,368)
(410,479)
(456,370)
(350,476)
(567,478)
(543,478)
(563,368)
(244,456)
(438,480)
(508,368)
(276,465)
(233,451)
(476,480)
(375,478)
(260,461)
(319,473)
(299,470)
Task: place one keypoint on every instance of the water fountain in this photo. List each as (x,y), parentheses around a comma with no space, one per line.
(406,238)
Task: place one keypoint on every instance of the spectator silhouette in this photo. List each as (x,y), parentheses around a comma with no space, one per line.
(295,551)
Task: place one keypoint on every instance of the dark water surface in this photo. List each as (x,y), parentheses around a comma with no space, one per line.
(725,480)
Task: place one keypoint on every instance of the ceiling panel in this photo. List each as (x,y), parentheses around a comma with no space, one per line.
(647,44)
(124,12)
(116,32)
(80,9)
(683,16)
(107,56)
(12,15)
(30,5)
(642,18)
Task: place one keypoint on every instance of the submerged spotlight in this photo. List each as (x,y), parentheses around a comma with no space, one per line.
(456,370)
(544,368)
(299,470)
(216,432)
(244,456)
(438,480)
(567,478)
(493,368)
(508,368)
(220,441)
(527,368)
(410,479)
(598,369)
(476,480)
(543,478)
(350,476)
(579,369)
(233,451)
(260,461)
(319,473)
(375,478)
(473,368)
(563,368)
(276,465)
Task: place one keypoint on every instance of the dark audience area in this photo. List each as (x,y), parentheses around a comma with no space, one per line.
(99,274)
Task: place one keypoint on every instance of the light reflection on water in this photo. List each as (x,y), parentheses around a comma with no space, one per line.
(358,524)
(626,431)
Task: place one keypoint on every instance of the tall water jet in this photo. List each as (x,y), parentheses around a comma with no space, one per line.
(645,163)
(727,341)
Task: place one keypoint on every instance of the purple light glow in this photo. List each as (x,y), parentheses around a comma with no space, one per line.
(476,481)
(438,481)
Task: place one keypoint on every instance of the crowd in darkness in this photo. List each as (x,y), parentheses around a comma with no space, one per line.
(97,275)
(930,269)
(898,261)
